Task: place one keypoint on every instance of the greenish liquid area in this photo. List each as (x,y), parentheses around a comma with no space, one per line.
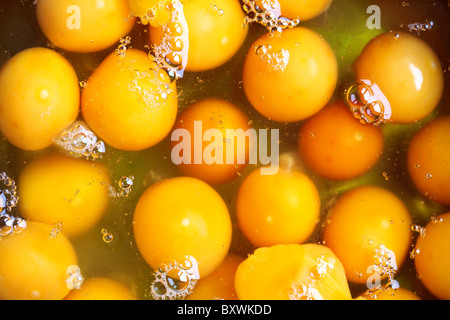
(343,26)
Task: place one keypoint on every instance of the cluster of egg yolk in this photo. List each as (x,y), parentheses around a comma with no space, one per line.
(131,104)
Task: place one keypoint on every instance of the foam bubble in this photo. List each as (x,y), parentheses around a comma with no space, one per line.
(125,185)
(74,279)
(175,280)
(268,14)
(276,61)
(368,103)
(171,54)
(78,140)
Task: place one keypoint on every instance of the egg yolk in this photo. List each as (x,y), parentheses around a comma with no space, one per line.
(331,140)
(407,71)
(59,189)
(204,116)
(101,289)
(39,97)
(129,102)
(277,209)
(432,261)
(362,220)
(197,224)
(84,25)
(428,160)
(215,32)
(220,283)
(304,10)
(34,264)
(292,272)
(290,77)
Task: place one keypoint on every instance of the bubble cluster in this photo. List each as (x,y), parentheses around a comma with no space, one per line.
(125,185)
(171,53)
(78,140)
(306,290)
(419,27)
(157,14)
(74,279)
(11,225)
(268,14)
(176,280)
(384,264)
(277,61)
(122,48)
(8,193)
(419,229)
(55,230)
(151,98)
(368,103)
(216,9)
(107,237)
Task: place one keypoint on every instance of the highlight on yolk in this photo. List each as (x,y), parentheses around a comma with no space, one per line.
(39,97)
(304,10)
(337,146)
(290,77)
(229,156)
(129,102)
(180,217)
(220,283)
(428,160)
(84,25)
(292,272)
(432,261)
(60,189)
(360,223)
(100,288)
(277,209)
(407,71)
(34,264)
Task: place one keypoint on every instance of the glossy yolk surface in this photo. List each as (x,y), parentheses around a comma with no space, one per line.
(34,264)
(133,81)
(213,114)
(290,77)
(39,97)
(361,220)
(196,224)
(84,25)
(331,141)
(406,70)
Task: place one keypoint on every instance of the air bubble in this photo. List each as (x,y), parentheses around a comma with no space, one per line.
(55,230)
(154,97)
(8,193)
(175,280)
(419,229)
(125,185)
(107,237)
(276,61)
(122,49)
(268,14)
(419,27)
(368,103)
(304,292)
(74,279)
(79,141)
(384,264)
(172,52)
